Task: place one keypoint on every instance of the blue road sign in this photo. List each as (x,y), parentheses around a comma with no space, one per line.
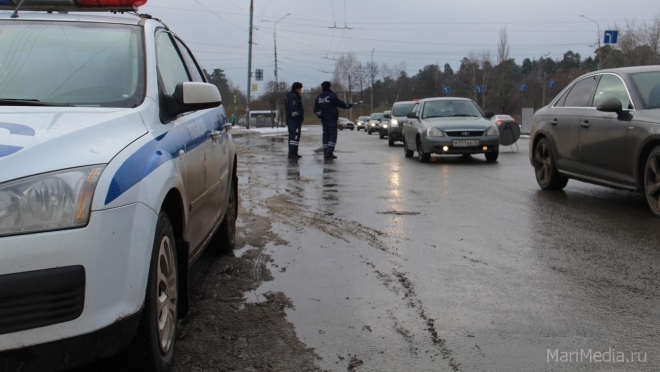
(523,87)
(611,37)
(552,84)
(446,90)
(480,89)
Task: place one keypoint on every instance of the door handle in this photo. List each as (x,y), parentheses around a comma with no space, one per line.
(585,124)
(554,122)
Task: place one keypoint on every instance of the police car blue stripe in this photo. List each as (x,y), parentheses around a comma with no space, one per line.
(18,129)
(6,150)
(162,149)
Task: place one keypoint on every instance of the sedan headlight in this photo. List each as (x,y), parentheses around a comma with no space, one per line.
(373,124)
(384,125)
(493,131)
(434,132)
(394,123)
(51,201)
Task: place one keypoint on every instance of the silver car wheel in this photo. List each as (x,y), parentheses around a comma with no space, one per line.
(166,294)
(543,163)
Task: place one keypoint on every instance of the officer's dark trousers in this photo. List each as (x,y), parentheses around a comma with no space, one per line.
(329,137)
(294,136)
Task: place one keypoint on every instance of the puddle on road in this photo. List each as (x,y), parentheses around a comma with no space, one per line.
(306,172)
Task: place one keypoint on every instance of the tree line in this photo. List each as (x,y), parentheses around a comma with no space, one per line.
(494,82)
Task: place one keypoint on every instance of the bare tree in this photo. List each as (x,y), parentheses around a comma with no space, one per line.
(503,46)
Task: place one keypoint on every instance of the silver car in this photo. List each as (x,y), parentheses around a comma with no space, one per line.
(375,121)
(448,126)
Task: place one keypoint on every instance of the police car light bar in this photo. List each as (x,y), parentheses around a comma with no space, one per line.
(73,5)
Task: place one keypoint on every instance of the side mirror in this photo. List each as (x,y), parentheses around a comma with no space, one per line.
(387,116)
(489,114)
(188,97)
(611,105)
(412,115)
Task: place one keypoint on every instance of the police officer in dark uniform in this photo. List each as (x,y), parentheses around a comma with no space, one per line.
(294,118)
(325,108)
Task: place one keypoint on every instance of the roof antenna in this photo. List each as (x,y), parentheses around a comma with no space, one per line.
(15,14)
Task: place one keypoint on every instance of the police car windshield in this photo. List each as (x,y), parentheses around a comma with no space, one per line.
(72,64)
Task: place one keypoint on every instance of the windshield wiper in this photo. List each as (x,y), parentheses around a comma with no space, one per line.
(464,116)
(30,102)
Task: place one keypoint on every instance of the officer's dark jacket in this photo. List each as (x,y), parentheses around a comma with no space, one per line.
(294,107)
(326,105)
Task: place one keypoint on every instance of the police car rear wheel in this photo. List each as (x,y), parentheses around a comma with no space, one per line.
(224,240)
(156,335)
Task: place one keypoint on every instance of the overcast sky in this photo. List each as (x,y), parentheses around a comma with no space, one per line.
(417,32)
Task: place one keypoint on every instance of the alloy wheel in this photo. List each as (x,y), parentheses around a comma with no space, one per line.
(166,294)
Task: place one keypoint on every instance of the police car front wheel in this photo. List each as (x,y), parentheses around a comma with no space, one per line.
(156,336)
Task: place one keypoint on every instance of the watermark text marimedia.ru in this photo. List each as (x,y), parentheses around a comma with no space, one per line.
(591,356)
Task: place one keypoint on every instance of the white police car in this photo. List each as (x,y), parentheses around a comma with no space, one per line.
(117,170)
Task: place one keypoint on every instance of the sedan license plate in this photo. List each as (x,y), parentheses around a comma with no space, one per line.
(465,143)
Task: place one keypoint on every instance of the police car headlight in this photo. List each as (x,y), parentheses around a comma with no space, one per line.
(493,131)
(394,123)
(51,201)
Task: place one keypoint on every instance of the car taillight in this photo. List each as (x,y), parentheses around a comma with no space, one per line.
(65,5)
(111,2)
(499,122)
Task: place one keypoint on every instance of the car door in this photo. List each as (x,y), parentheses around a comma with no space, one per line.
(410,128)
(564,118)
(199,152)
(603,135)
(219,172)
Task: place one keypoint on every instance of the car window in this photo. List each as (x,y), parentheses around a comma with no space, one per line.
(648,86)
(170,66)
(415,108)
(191,64)
(450,108)
(611,86)
(402,109)
(580,94)
(76,63)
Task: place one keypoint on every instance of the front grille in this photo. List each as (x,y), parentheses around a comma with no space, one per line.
(465,133)
(40,298)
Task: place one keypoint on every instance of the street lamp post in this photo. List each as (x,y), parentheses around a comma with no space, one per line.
(249,84)
(597,25)
(372,81)
(277,81)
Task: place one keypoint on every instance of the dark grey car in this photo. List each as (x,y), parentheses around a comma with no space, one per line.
(604,128)
(448,126)
(400,112)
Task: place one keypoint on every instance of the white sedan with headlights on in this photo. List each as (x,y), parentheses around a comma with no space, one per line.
(447,126)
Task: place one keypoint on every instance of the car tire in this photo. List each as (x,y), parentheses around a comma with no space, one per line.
(390,141)
(156,335)
(424,157)
(381,135)
(369,132)
(545,170)
(652,181)
(407,153)
(491,157)
(352,128)
(341,128)
(224,240)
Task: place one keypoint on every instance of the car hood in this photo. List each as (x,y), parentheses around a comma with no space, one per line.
(36,140)
(459,123)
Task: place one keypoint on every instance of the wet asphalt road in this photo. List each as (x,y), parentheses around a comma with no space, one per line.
(395,265)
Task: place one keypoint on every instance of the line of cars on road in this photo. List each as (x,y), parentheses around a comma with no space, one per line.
(441,126)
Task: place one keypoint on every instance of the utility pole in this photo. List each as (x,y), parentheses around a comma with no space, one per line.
(350,96)
(277,81)
(372,81)
(545,76)
(249,84)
